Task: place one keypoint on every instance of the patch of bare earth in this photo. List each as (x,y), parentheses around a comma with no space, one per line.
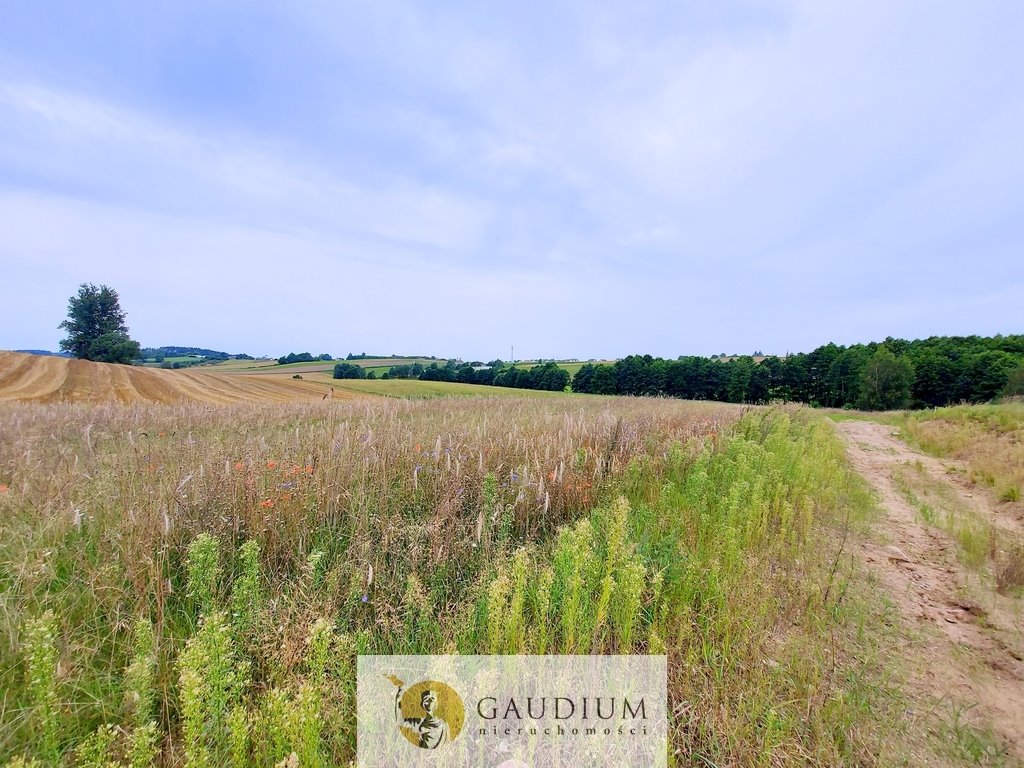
(966,653)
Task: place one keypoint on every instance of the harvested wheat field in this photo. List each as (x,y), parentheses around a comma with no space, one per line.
(42,379)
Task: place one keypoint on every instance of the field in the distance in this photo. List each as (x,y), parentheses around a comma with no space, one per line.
(50,379)
(379,364)
(416,389)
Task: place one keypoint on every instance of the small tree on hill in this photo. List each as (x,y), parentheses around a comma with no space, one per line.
(1015,383)
(349,371)
(886,383)
(96,328)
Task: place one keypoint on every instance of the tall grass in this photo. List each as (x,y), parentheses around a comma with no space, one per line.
(989,438)
(210,574)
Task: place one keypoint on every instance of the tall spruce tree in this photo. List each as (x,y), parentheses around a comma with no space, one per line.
(96,327)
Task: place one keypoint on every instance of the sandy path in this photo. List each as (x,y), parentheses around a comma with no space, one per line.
(974,660)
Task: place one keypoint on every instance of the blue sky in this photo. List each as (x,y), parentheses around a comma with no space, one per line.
(575,179)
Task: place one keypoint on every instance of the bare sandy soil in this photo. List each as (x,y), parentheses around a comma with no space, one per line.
(968,641)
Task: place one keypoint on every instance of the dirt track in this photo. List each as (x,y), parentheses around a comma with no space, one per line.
(970,652)
(43,379)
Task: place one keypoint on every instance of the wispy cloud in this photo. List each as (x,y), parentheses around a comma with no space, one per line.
(69,142)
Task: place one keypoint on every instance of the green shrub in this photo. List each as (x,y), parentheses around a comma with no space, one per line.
(211,682)
(139,686)
(246,591)
(203,570)
(41,656)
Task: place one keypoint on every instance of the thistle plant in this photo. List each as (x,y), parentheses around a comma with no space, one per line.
(318,654)
(290,725)
(541,609)
(97,750)
(316,565)
(246,592)
(144,746)
(515,629)
(203,571)
(497,611)
(576,567)
(489,505)
(211,682)
(626,602)
(305,726)
(138,682)
(239,730)
(41,657)
(271,738)
(23,762)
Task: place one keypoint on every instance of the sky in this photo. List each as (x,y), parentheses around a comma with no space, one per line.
(574,179)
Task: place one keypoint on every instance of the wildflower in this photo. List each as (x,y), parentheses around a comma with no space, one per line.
(239,466)
(419,447)
(296,469)
(271,464)
(266,503)
(365,598)
(163,434)
(309,469)
(4,488)
(286,486)
(551,476)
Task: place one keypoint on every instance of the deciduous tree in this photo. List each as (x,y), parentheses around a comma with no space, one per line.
(96,327)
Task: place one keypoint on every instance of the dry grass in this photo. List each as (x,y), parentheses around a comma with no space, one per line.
(1010,571)
(988,438)
(100,503)
(426,526)
(937,504)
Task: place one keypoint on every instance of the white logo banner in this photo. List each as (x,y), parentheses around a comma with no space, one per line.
(511,711)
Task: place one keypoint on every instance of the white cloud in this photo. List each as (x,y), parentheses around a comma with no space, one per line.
(75,141)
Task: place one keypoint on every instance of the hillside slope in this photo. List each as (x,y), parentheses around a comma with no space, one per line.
(41,379)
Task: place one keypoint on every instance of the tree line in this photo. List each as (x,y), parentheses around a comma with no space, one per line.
(892,374)
(549,376)
(303,357)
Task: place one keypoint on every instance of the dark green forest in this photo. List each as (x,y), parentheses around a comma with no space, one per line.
(895,373)
(549,376)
